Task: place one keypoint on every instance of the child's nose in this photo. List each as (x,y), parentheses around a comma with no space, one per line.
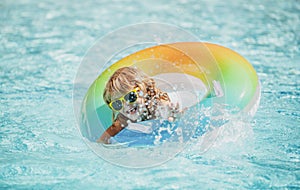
(126,103)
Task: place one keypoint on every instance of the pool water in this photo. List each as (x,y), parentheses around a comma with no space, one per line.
(42,45)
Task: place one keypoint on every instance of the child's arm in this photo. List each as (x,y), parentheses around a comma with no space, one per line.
(119,124)
(111,131)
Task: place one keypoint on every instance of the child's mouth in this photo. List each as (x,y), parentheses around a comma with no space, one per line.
(132,110)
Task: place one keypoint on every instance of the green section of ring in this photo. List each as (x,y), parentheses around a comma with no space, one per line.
(239,77)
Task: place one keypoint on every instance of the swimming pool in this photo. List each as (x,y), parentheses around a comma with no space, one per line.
(42,44)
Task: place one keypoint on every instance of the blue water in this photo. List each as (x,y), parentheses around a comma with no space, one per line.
(42,44)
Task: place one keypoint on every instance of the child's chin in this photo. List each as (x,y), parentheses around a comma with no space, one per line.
(133,117)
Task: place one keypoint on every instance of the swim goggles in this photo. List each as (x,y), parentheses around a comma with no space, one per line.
(130,97)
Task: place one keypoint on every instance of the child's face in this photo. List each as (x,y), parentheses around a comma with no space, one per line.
(130,105)
(133,110)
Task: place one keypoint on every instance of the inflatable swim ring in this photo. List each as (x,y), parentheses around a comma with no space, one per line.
(227,77)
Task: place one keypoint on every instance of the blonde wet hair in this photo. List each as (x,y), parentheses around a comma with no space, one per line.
(126,79)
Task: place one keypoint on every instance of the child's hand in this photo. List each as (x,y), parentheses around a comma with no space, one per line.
(170,111)
(174,112)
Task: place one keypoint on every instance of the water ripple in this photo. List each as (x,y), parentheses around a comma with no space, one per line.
(42,44)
